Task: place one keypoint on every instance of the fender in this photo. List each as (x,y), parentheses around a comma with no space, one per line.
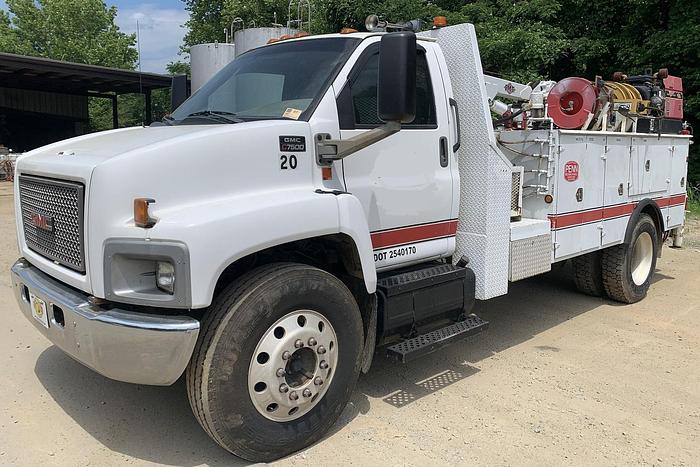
(352,222)
(222,231)
(643,206)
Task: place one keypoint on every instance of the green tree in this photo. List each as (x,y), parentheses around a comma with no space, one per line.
(333,15)
(257,12)
(206,23)
(519,40)
(80,31)
(179,68)
(8,38)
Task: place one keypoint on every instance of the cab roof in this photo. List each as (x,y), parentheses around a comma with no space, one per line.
(356,35)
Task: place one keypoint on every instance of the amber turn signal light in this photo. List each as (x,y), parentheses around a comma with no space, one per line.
(142,217)
(548,199)
(327,173)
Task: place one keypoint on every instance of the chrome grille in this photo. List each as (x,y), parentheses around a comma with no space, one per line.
(52,216)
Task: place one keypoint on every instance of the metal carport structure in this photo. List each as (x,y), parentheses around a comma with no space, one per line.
(36,83)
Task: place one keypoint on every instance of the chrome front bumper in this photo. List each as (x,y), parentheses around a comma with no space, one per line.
(120,344)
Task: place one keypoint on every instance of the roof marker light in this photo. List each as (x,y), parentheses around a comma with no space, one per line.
(440,22)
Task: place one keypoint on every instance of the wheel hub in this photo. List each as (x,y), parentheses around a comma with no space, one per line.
(292,366)
(642,258)
(300,367)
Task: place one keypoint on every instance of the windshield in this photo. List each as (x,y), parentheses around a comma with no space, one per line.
(277,81)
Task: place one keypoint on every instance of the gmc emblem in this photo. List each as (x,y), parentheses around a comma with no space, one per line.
(42,222)
(292,144)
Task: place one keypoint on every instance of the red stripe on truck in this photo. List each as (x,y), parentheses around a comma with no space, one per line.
(417,233)
(562,221)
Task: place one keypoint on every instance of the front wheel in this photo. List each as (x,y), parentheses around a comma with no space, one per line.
(276,362)
(628,268)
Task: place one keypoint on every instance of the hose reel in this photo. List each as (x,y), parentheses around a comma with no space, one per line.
(570,102)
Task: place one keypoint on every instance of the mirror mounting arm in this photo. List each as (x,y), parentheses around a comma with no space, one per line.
(329,150)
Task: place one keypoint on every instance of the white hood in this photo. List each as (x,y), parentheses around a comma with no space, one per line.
(75,158)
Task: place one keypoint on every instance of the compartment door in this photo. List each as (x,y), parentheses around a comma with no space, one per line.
(657,166)
(636,170)
(616,197)
(579,194)
(677,188)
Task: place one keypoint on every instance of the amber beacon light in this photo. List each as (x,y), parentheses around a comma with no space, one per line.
(439,21)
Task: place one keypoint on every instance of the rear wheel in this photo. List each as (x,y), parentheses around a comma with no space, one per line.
(588,274)
(276,362)
(628,268)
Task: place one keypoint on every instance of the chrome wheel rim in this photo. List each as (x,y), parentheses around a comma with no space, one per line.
(293,365)
(642,258)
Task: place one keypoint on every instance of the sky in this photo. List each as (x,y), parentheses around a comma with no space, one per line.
(160,25)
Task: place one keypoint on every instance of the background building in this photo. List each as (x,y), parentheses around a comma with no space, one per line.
(43,100)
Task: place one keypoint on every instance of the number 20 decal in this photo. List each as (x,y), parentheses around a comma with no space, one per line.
(288,162)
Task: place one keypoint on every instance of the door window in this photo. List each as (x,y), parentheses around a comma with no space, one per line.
(363,97)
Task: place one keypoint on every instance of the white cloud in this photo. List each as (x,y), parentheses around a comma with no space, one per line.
(161,33)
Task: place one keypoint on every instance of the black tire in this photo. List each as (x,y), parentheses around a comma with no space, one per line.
(217,375)
(618,268)
(588,274)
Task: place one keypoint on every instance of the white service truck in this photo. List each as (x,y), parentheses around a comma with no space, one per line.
(324,196)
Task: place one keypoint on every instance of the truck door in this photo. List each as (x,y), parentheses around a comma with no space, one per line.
(403,182)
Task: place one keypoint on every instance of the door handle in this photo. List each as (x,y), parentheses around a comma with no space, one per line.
(453,103)
(444,158)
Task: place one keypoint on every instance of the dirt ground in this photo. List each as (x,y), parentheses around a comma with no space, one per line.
(559,378)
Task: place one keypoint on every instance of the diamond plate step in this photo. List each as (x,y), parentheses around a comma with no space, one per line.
(415,347)
(407,281)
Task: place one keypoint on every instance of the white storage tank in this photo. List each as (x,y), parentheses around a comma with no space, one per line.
(247,39)
(207,59)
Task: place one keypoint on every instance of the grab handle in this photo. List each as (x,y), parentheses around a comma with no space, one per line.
(453,103)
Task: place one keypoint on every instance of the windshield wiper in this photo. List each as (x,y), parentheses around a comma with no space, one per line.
(217,115)
(167,119)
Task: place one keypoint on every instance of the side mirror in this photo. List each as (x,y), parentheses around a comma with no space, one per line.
(397,77)
(396,100)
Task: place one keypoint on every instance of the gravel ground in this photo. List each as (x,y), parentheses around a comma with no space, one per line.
(559,378)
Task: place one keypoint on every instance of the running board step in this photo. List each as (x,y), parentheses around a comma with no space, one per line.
(414,296)
(415,347)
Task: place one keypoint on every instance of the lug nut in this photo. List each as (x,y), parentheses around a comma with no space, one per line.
(280,372)
(284,388)
(321,350)
(318,381)
(298,344)
(286,355)
(312,341)
(307,392)
(293,395)
(323,365)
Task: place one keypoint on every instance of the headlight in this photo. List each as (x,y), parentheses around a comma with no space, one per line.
(165,277)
